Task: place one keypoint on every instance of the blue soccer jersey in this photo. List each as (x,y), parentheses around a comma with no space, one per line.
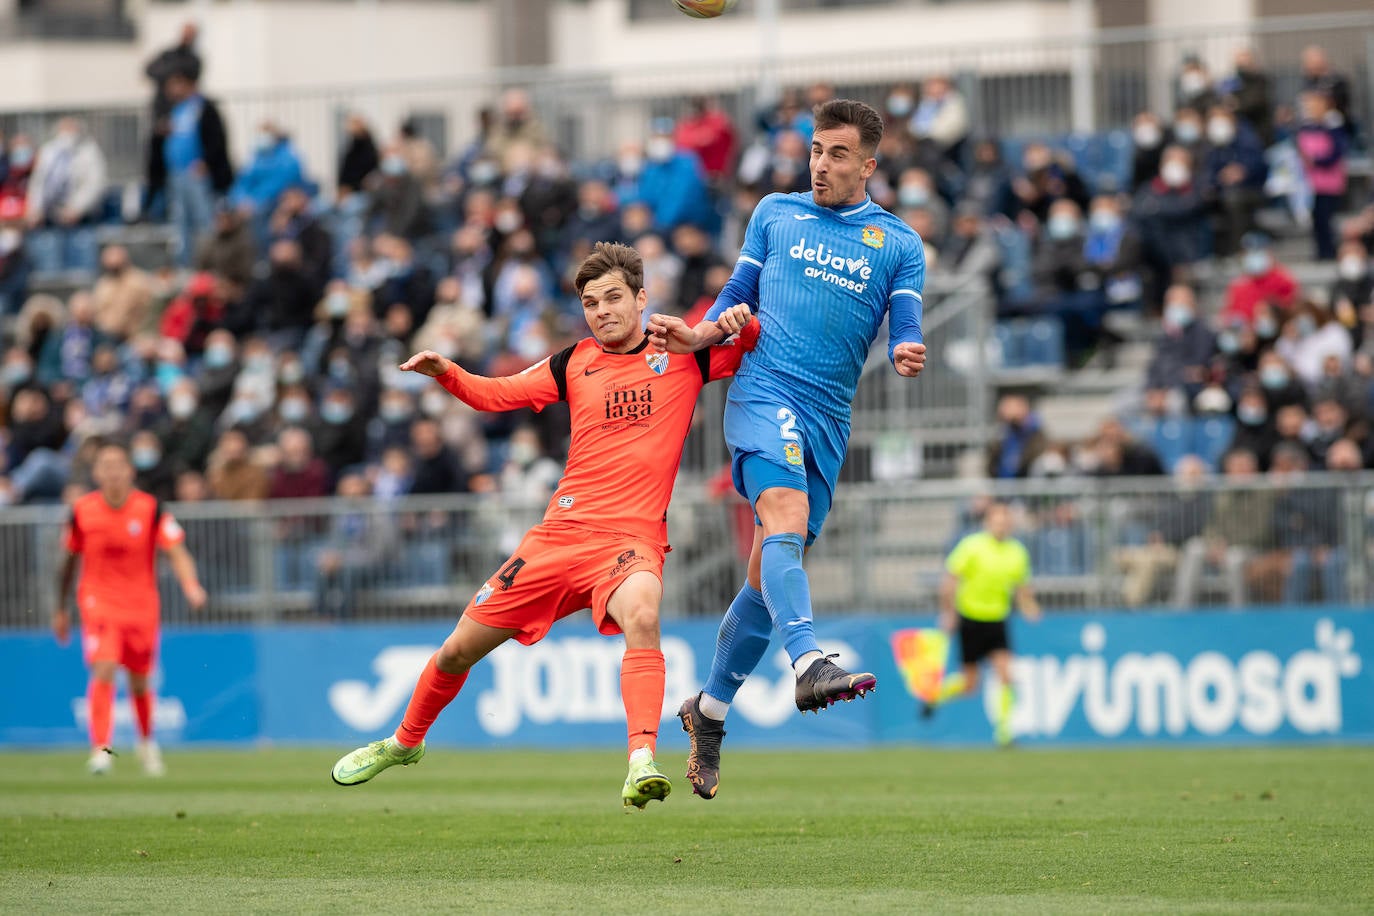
(821,281)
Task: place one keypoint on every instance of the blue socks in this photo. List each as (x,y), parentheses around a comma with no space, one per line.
(740,644)
(787,593)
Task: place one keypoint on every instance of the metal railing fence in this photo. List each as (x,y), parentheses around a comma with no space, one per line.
(1078,83)
(1101,543)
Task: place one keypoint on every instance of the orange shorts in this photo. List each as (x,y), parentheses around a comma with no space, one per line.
(556,571)
(130,644)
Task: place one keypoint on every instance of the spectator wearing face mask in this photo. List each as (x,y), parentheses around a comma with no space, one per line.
(359,159)
(1236,172)
(1183,351)
(390,428)
(1113,249)
(15,268)
(1172,216)
(153,471)
(1352,295)
(1264,281)
(20,160)
(188,431)
(341,437)
(1281,388)
(283,302)
(274,167)
(229,250)
(1308,338)
(1189,131)
(219,367)
(1249,93)
(708,132)
(516,125)
(916,191)
(407,281)
(398,202)
(294,220)
(1195,89)
(1255,431)
(673,184)
(191,316)
(66,190)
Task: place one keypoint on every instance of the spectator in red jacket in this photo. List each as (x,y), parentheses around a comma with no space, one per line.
(194,314)
(708,132)
(1264,281)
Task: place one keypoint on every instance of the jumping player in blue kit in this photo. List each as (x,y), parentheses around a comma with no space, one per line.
(821,270)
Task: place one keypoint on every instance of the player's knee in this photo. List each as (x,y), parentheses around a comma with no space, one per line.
(454,658)
(782,510)
(640,624)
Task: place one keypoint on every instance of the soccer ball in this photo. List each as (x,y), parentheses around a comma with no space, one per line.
(704,9)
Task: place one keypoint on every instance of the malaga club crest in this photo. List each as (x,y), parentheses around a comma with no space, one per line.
(657,361)
(873,237)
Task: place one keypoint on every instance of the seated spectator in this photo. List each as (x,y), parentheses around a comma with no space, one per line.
(191,316)
(1189,132)
(359,160)
(282,303)
(971,250)
(1172,216)
(38,331)
(1292,427)
(916,190)
(1264,281)
(1044,179)
(597,218)
(708,132)
(228,251)
(1183,351)
(517,124)
(673,184)
(408,281)
(1323,140)
(1119,454)
(78,338)
(1309,336)
(1249,94)
(988,182)
(1344,456)
(231,471)
(1066,285)
(1240,524)
(341,438)
(187,434)
(299,473)
(360,541)
(153,470)
(1195,91)
(33,426)
(1340,382)
(422,159)
(697,258)
(397,199)
(1307,528)
(941,119)
(1020,439)
(14,181)
(390,428)
(1352,295)
(1169,524)
(1112,248)
(1255,427)
(1236,171)
(123,295)
(274,167)
(219,368)
(393,474)
(67,187)
(295,220)
(437,469)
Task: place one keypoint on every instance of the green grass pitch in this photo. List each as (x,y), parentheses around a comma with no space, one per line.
(879,831)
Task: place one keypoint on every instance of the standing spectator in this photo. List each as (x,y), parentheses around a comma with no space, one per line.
(1184,348)
(67,189)
(182,60)
(1319,76)
(1020,439)
(1323,138)
(941,120)
(196,153)
(516,126)
(275,166)
(123,295)
(1172,217)
(708,132)
(1249,93)
(1236,171)
(359,159)
(422,159)
(1265,282)
(1241,524)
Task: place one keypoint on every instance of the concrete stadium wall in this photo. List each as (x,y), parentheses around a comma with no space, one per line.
(1209,677)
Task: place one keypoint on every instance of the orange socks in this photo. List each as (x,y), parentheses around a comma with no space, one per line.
(100,708)
(433,691)
(143,713)
(641,689)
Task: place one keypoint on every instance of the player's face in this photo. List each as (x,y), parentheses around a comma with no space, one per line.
(613,312)
(839,169)
(999,522)
(112,472)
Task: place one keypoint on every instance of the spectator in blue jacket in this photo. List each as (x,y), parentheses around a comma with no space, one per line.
(1236,171)
(275,166)
(196,154)
(673,184)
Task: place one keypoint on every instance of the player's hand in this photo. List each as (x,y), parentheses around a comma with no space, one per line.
(909,359)
(733,319)
(195,596)
(671,334)
(947,621)
(62,626)
(427,362)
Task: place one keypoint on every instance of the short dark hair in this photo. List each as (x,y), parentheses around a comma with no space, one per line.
(607,257)
(850,112)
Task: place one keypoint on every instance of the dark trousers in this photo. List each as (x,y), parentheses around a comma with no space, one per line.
(1324,207)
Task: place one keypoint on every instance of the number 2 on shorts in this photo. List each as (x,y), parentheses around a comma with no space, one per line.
(787,429)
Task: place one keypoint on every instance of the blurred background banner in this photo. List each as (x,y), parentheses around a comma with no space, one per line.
(1224,677)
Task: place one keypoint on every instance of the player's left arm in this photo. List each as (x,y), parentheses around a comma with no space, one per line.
(906,347)
(172,540)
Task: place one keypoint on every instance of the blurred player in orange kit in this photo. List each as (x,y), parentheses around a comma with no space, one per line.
(116,532)
(604,536)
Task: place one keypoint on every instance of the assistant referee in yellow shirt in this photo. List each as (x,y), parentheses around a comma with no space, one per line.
(984,573)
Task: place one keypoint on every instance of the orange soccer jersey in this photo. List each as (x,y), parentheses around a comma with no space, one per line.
(118,548)
(630,414)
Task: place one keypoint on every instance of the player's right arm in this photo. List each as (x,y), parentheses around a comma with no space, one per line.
(535,387)
(66,575)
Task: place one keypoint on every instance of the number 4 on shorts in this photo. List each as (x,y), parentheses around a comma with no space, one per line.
(507,575)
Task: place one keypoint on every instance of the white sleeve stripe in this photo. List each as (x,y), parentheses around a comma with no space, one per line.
(907,292)
(748,260)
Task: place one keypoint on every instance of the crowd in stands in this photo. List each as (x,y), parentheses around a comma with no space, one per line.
(262,363)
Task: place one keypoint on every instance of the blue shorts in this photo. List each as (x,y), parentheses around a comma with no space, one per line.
(772,444)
